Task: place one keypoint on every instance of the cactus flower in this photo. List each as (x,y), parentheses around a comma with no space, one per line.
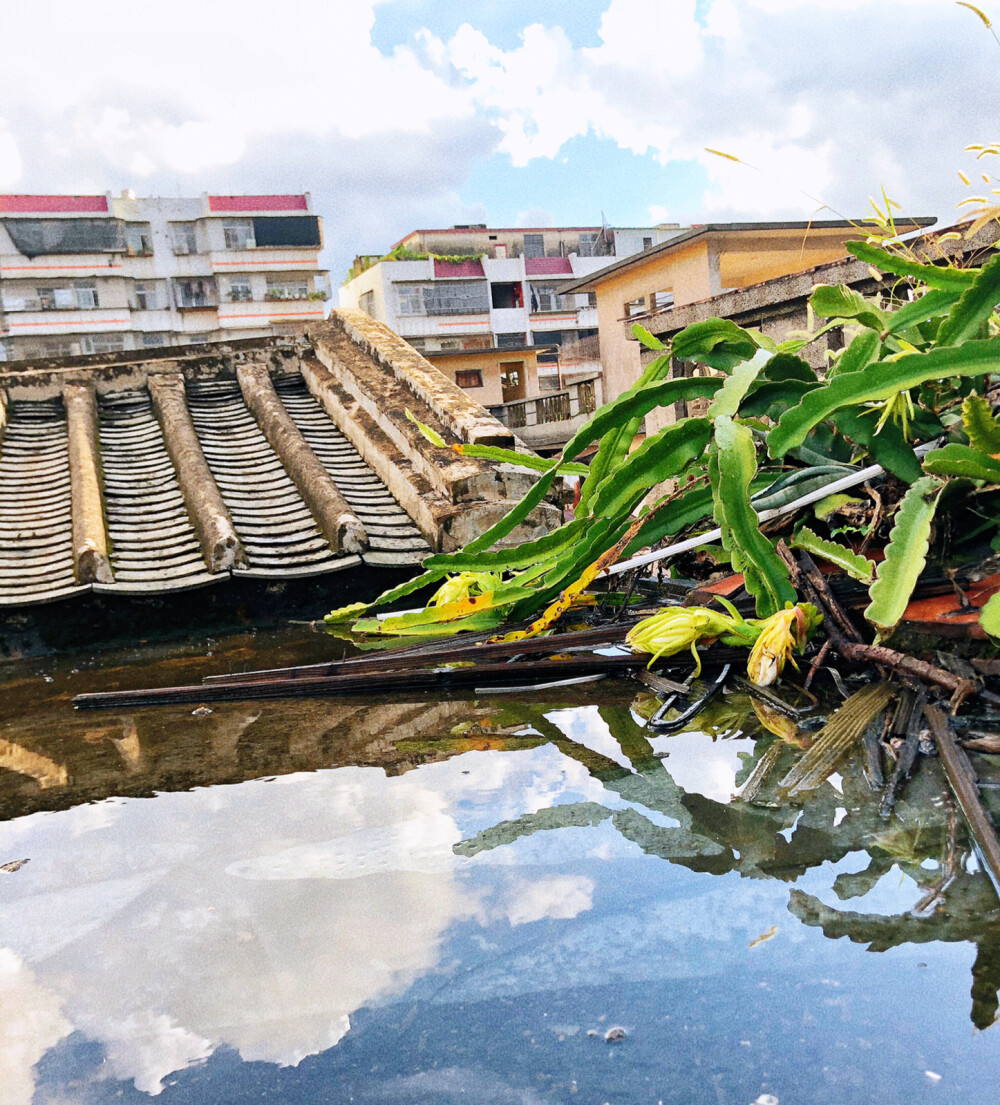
(779,634)
(678,628)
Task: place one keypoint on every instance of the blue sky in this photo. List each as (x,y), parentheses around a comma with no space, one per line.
(399,114)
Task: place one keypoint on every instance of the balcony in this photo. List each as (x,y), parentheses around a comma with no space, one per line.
(250,314)
(194,294)
(550,420)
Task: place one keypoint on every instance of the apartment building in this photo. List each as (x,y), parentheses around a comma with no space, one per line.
(103,273)
(476,288)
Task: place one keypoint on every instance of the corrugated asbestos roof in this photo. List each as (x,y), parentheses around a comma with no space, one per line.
(152,541)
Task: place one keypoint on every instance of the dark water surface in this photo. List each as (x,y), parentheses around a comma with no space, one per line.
(466,900)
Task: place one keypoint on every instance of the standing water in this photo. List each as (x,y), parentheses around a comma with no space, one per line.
(487,899)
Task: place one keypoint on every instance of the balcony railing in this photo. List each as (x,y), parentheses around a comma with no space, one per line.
(545,410)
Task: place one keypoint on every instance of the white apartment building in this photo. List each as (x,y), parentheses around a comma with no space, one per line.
(475,287)
(102,274)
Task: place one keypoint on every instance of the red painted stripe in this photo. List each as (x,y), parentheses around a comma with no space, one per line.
(255,262)
(47,268)
(484,322)
(53,203)
(74,323)
(275,314)
(257,203)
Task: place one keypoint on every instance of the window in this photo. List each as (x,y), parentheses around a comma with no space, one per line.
(103,343)
(534,245)
(661,301)
(34,237)
(448,344)
(545,297)
(647,243)
(238,233)
(147,295)
(591,299)
(6,349)
(285,230)
(409,299)
(154,341)
(635,307)
(239,288)
(297,288)
(138,239)
(420,344)
(197,292)
(86,294)
(588,245)
(548,381)
(366,301)
(184,238)
(505,296)
(62,347)
(510,341)
(469,378)
(446,297)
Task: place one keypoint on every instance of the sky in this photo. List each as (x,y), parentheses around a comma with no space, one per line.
(404,114)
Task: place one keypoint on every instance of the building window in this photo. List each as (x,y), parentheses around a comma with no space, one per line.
(138,239)
(6,349)
(297,288)
(510,341)
(591,299)
(505,296)
(153,341)
(446,297)
(420,344)
(366,301)
(197,292)
(184,238)
(647,243)
(450,344)
(661,301)
(545,298)
(469,378)
(635,307)
(239,289)
(588,245)
(147,296)
(103,343)
(62,347)
(238,233)
(534,245)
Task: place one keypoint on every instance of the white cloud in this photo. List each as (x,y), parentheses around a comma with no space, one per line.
(30,1023)
(556,898)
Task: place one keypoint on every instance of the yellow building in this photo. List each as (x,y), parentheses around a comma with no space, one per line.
(697,264)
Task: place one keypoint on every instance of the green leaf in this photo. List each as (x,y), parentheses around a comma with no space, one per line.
(880,381)
(931,305)
(507,560)
(858,567)
(905,555)
(888,447)
(963,461)
(832,503)
(785,366)
(989,617)
(716,342)
(671,518)
(728,398)
(840,301)
(665,454)
(795,484)
(764,572)
(974,307)
(403,626)
(773,399)
(945,278)
(859,354)
(524,460)
(643,336)
(432,435)
(981,425)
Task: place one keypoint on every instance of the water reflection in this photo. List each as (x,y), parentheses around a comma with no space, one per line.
(305,862)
